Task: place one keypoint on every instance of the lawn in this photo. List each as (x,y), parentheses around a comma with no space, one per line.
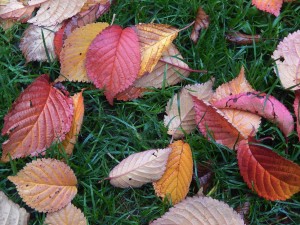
(111,133)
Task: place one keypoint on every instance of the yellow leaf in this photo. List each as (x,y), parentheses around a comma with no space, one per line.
(70,215)
(47,185)
(177,178)
(73,54)
(154,40)
(71,137)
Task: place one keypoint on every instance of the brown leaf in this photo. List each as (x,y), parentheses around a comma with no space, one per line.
(201,22)
(242,39)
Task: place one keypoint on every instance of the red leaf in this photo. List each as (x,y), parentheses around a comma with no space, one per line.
(296,109)
(272,176)
(58,40)
(41,115)
(263,105)
(113,60)
(212,122)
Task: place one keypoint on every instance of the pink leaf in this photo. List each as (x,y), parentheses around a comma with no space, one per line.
(296,109)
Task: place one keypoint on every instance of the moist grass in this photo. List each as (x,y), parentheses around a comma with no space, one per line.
(111,133)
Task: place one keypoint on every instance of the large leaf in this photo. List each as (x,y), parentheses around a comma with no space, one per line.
(113,60)
(37,43)
(287,58)
(270,6)
(11,213)
(17,11)
(180,118)
(53,12)
(297,111)
(270,175)
(154,40)
(70,215)
(140,168)
(73,55)
(175,182)
(263,105)
(47,185)
(212,123)
(41,115)
(200,211)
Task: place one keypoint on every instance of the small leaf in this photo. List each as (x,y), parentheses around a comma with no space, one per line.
(46,185)
(242,39)
(70,215)
(175,182)
(201,22)
(113,60)
(41,115)
(270,6)
(297,111)
(263,105)
(154,39)
(200,211)
(17,11)
(140,168)
(270,175)
(73,54)
(11,213)
(130,93)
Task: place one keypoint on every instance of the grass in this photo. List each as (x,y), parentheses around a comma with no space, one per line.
(134,126)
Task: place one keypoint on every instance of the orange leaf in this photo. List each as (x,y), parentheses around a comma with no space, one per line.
(154,40)
(270,175)
(73,54)
(47,185)
(201,22)
(113,60)
(177,178)
(70,215)
(270,6)
(71,137)
(41,115)
(130,93)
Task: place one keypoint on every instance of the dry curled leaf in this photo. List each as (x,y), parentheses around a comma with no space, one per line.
(297,111)
(41,115)
(70,215)
(201,22)
(11,213)
(46,185)
(140,168)
(242,39)
(200,211)
(176,180)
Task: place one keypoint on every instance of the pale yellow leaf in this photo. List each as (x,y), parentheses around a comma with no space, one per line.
(11,213)
(180,118)
(73,54)
(200,211)
(32,43)
(47,185)
(16,10)
(140,168)
(175,182)
(70,215)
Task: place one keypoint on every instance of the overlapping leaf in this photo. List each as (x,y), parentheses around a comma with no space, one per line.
(47,185)
(11,213)
(200,211)
(73,55)
(41,115)
(270,175)
(70,215)
(140,168)
(175,182)
(17,11)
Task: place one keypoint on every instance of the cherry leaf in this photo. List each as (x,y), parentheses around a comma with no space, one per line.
(270,6)
(270,175)
(296,110)
(113,60)
(41,115)
(17,11)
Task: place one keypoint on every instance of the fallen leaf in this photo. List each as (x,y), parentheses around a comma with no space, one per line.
(263,105)
(243,210)
(70,215)
(7,24)
(73,54)
(41,115)
(212,123)
(46,185)
(154,39)
(53,12)
(71,137)
(296,110)
(34,41)
(130,93)
(205,176)
(287,58)
(113,60)
(11,213)
(17,11)
(201,22)
(176,180)
(200,211)
(270,6)
(180,118)
(242,39)
(140,168)
(270,175)
(58,40)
